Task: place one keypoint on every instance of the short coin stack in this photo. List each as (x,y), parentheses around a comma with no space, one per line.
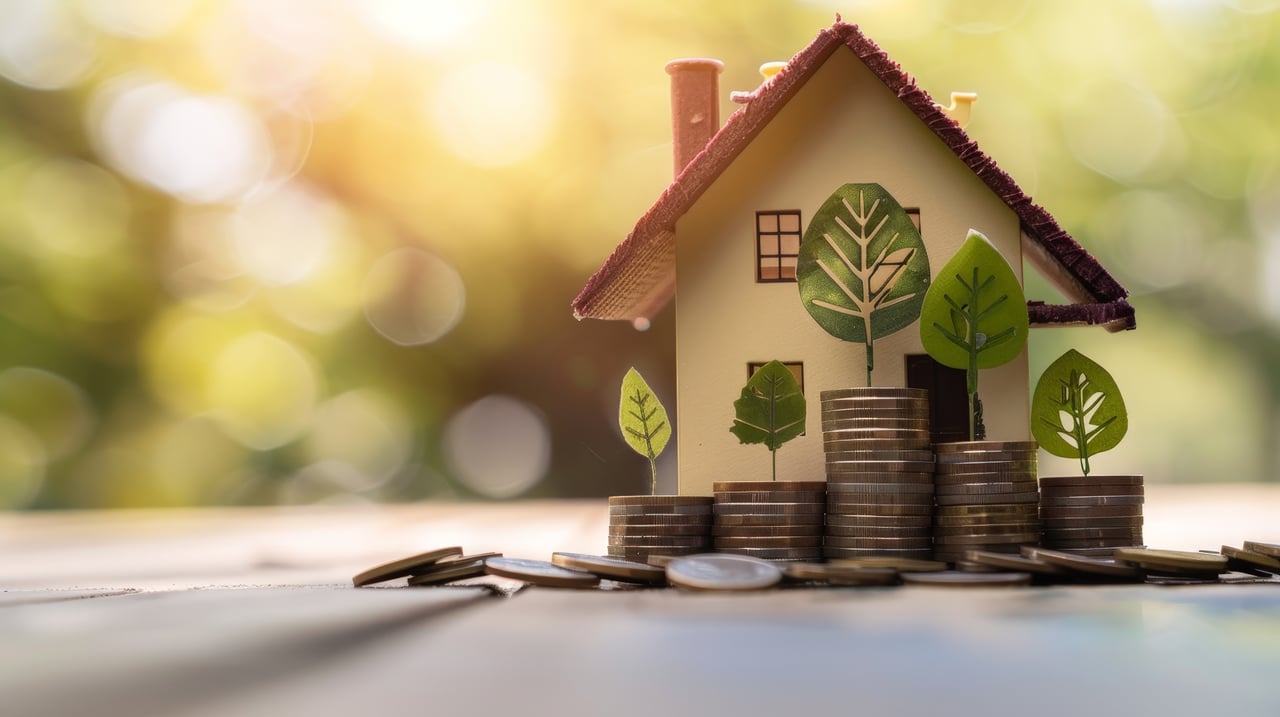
(775,520)
(1091,515)
(879,473)
(987,498)
(644,525)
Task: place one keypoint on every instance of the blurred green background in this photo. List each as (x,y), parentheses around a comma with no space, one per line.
(300,251)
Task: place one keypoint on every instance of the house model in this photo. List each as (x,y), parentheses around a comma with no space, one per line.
(723,241)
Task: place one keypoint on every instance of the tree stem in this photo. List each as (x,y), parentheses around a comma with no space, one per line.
(653,472)
(774,454)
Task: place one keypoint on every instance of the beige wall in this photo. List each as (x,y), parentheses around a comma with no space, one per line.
(843,126)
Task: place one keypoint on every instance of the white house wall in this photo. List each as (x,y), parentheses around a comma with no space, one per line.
(842,126)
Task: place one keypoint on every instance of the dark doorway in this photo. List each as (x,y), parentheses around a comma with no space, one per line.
(948,398)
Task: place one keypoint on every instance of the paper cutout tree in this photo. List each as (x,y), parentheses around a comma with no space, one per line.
(771,409)
(643,421)
(1077,410)
(974,317)
(863,269)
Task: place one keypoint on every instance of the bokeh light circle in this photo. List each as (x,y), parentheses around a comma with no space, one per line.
(54,410)
(492,114)
(413,297)
(22,464)
(262,390)
(498,446)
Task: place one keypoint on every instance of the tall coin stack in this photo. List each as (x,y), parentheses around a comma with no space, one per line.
(775,520)
(644,525)
(1091,515)
(987,496)
(879,473)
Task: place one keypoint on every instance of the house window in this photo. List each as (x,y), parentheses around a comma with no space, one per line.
(914,213)
(797,370)
(777,245)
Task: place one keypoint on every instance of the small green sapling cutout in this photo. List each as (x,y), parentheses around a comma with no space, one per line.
(771,409)
(863,268)
(643,421)
(974,316)
(1077,410)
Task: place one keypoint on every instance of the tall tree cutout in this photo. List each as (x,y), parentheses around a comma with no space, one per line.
(643,421)
(863,269)
(1077,410)
(974,317)
(771,409)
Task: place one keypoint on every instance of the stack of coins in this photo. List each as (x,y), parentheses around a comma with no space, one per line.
(987,498)
(776,520)
(1091,515)
(879,473)
(644,525)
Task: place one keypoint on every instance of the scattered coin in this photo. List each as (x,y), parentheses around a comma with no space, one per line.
(1005,561)
(613,568)
(776,553)
(723,572)
(440,576)
(1238,559)
(660,561)
(540,572)
(1180,560)
(1080,564)
(834,553)
(403,567)
(843,575)
(905,565)
(1271,549)
(955,578)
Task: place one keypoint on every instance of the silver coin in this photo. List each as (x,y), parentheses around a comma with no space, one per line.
(721,571)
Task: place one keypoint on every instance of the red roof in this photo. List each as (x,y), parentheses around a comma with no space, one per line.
(638,279)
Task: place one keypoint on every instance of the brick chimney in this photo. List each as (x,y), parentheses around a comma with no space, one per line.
(695,106)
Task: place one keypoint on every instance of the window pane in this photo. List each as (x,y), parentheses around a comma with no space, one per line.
(768,246)
(788,267)
(768,269)
(767,222)
(790,244)
(790,223)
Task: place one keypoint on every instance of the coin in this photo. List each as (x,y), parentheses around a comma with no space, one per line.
(643,554)
(885,497)
(987,539)
(994,487)
(861,531)
(855,437)
(956,578)
(1238,559)
(776,553)
(666,510)
(979,446)
(540,572)
(1029,497)
(750,519)
(1065,544)
(831,427)
(663,500)
(977,521)
(880,509)
(1086,533)
(843,575)
(660,561)
(843,476)
(764,496)
(1176,559)
(767,531)
(998,509)
(659,522)
(775,541)
(1005,561)
(897,543)
(986,467)
(838,520)
(723,572)
(845,450)
(856,450)
(834,553)
(461,571)
(1081,564)
(787,509)
(862,392)
(404,566)
(1069,523)
(1056,481)
(1271,549)
(860,466)
(674,541)
(880,402)
(1091,511)
(612,568)
(987,456)
(1090,500)
(988,529)
(879,488)
(765,485)
(905,565)
(643,530)
(1079,490)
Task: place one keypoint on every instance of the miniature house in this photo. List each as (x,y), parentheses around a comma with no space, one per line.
(723,239)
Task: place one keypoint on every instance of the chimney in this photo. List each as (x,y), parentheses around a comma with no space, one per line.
(695,106)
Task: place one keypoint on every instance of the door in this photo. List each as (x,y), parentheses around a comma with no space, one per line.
(948,397)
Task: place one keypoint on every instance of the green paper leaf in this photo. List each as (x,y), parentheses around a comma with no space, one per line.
(771,409)
(1077,410)
(974,314)
(863,268)
(643,421)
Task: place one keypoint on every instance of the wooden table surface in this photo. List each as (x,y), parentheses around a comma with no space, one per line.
(251,612)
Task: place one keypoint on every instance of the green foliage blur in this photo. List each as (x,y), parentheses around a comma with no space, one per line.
(288,251)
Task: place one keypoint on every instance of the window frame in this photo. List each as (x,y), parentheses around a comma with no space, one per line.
(777,235)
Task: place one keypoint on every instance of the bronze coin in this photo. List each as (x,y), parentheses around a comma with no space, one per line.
(839,575)
(881,509)
(858,466)
(985,488)
(854,451)
(958,579)
(1246,560)
(779,485)
(979,446)
(879,488)
(749,519)
(1055,491)
(878,477)
(1092,533)
(851,497)
(1083,564)
(1096,500)
(969,521)
(462,571)
(1090,511)
(1060,544)
(403,566)
(630,530)
(901,564)
(986,467)
(845,452)
(987,539)
(540,572)
(659,500)
(833,553)
(612,568)
(768,509)
(675,541)
(777,553)
(832,427)
(660,520)
(722,543)
(1006,509)
(1006,561)
(1177,559)
(863,531)
(836,520)
(764,496)
(766,531)
(1069,523)
(1029,497)
(1056,481)
(989,529)
(892,543)
(861,392)
(1257,546)
(987,457)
